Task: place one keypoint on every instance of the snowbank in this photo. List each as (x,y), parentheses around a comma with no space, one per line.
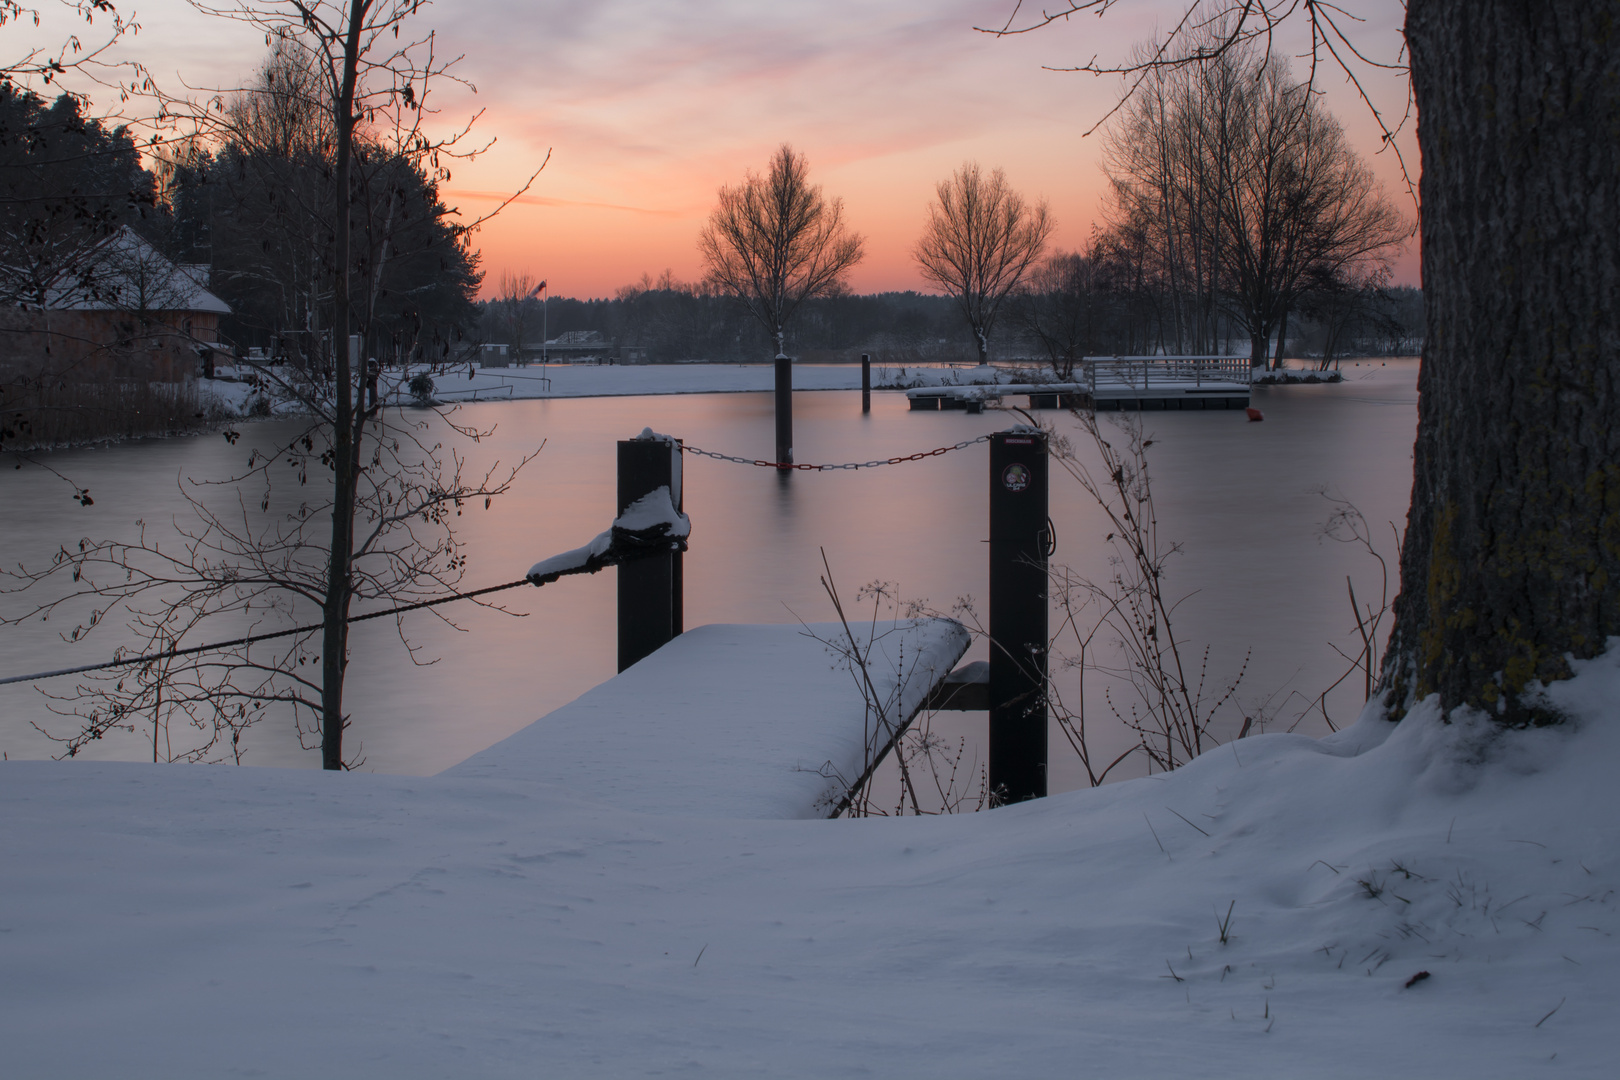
(171,921)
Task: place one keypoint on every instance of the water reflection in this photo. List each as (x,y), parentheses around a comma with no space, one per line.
(1240,496)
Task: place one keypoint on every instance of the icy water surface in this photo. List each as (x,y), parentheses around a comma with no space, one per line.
(1240,497)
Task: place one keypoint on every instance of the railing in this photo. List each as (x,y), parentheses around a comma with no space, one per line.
(485,393)
(1142,372)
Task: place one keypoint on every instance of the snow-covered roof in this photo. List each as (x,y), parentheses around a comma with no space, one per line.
(126,273)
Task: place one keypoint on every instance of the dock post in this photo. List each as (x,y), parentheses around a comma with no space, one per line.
(784,409)
(1019,535)
(866,383)
(650,590)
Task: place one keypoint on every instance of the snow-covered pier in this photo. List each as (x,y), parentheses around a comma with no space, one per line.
(734,721)
(1114,382)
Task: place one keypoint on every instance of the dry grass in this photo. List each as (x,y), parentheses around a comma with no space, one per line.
(39,414)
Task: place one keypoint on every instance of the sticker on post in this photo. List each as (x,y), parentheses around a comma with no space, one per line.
(1015,477)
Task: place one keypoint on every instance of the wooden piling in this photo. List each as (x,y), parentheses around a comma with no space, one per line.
(650,590)
(866,383)
(1019,535)
(784,410)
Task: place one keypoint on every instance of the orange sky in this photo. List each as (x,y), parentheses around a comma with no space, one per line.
(647,108)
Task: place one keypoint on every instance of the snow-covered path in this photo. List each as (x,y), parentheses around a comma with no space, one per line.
(171,921)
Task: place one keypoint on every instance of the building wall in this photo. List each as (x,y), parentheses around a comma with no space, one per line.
(105,345)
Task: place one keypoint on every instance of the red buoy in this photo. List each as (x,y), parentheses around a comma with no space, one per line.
(1255,414)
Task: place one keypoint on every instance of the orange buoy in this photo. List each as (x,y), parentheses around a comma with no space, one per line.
(1255,414)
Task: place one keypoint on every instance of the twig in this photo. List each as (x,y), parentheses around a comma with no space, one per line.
(1155,833)
(1188,822)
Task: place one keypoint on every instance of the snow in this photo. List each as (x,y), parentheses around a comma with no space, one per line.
(590,380)
(652,510)
(731,721)
(574,560)
(530,916)
(651,517)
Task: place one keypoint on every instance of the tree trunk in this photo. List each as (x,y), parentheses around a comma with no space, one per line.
(1259,347)
(345,437)
(1282,336)
(1512,555)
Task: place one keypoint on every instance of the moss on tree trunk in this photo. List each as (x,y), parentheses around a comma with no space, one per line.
(1512,555)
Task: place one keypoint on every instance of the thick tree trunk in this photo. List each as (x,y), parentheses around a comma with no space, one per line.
(1259,347)
(1512,555)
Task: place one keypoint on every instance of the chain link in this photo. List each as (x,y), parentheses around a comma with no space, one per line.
(784,465)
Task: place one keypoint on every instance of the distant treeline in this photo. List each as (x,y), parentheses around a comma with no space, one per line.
(676,322)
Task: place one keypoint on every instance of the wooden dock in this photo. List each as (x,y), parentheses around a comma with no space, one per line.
(1112,383)
(733,721)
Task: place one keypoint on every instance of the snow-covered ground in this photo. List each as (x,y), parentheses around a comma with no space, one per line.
(172,921)
(233,398)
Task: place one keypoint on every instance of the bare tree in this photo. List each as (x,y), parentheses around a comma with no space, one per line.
(1345,305)
(1066,305)
(774,242)
(1510,569)
(980,240)
(1299,203)
(1250,191)
(81,61)
(515,292)
(360,505)
(1167,189)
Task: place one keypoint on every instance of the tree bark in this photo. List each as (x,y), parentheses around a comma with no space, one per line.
(1511,562)
(345,436)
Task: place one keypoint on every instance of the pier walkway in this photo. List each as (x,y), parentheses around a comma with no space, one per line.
(1114,382)
(731,720)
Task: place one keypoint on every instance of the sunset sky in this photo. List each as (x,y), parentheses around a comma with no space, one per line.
(647,108)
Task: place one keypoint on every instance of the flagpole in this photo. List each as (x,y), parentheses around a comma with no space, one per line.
(545,333)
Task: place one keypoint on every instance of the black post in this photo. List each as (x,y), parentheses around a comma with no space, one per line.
(650,590)
(866,383)
(784,410)
(1018,641)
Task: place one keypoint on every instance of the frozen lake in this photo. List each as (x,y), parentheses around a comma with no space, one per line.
(1241,497)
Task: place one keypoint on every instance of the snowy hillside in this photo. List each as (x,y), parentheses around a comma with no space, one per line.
(161,921)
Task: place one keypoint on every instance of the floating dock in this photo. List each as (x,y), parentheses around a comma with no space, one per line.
(1112,383)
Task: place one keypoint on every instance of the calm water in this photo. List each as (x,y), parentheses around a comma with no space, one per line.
(1241,497)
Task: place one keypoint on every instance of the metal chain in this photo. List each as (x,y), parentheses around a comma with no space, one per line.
(784,465)
(134,660)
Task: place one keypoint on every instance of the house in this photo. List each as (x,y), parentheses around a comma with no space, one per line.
(122,311)
(584,347)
